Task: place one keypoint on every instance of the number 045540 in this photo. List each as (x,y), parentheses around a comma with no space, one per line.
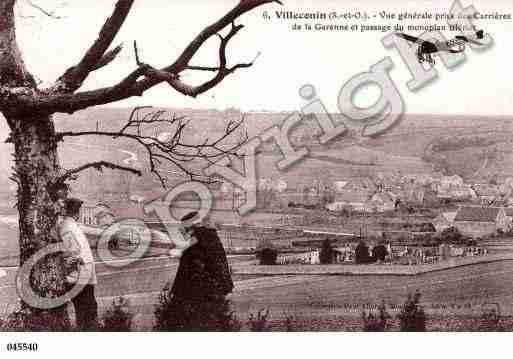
(22,347)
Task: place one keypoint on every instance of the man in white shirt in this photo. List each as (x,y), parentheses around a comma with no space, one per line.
(80,254)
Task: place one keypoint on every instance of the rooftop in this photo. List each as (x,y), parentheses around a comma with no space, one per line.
(477,214)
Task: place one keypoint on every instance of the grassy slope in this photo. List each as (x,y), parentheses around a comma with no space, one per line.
(401,149)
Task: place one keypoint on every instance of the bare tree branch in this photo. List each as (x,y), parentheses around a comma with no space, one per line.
(61,98)
(108,57)
(170,149)
(45,12)
(99,167)
(75,76)
(222,70)
(193,91)
(243,7)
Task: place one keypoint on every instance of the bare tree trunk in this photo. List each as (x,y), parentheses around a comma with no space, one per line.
(12,68)
(37,170)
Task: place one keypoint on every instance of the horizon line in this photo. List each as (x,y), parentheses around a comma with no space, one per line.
(281,111)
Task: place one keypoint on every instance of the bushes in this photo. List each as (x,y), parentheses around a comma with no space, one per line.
(172,314)
(412,317)
(163,309)
(372,323)
(118,318)
(259,323)
(289,323)
(362,253)
(327,253)
(24,320)
(379,253)
(15,321)
(267,256)
(266,251)
(452,235)
(491,320)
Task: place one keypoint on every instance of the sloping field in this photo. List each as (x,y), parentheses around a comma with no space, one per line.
(321,302)
(398,149)
(325,300)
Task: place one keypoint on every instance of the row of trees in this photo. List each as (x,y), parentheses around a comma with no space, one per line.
(267,255)
(363,255)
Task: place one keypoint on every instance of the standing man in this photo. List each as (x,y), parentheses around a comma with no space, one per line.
(81,256)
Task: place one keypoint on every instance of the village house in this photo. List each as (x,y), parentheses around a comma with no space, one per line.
(430,198)
(444,220)
(413,193)
(350,200)
(291,196)
(310,257)
(343,254)
(339,185)
(135,198)
(382,202)
(337,206)
(509,213)
(454,188)
(310,196)
(505,190)
(89,212)
(486,193)
(508,202)
(424,180)
(280,186)
(451,181)
(476,221)
(463,192)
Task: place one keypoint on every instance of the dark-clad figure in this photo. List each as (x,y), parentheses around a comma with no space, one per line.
(197,299)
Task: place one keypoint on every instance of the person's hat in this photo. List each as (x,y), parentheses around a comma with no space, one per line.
(190,218)
(72,205)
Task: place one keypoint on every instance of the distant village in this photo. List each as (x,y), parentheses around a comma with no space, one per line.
(419,219)
(476,209)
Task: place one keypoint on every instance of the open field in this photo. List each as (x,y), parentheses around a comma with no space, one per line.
(336,302)
(323,302)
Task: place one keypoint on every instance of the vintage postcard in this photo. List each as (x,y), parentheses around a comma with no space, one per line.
(255,166)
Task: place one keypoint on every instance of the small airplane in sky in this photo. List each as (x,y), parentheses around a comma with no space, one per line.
(426,49)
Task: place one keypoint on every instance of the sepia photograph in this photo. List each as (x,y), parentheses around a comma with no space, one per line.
(255,166)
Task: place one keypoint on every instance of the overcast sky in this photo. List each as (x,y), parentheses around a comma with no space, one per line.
(483,85)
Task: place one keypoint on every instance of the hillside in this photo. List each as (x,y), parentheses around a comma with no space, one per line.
(473,147)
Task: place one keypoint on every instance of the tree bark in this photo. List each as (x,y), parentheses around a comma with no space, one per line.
(12,68)
(37,170)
